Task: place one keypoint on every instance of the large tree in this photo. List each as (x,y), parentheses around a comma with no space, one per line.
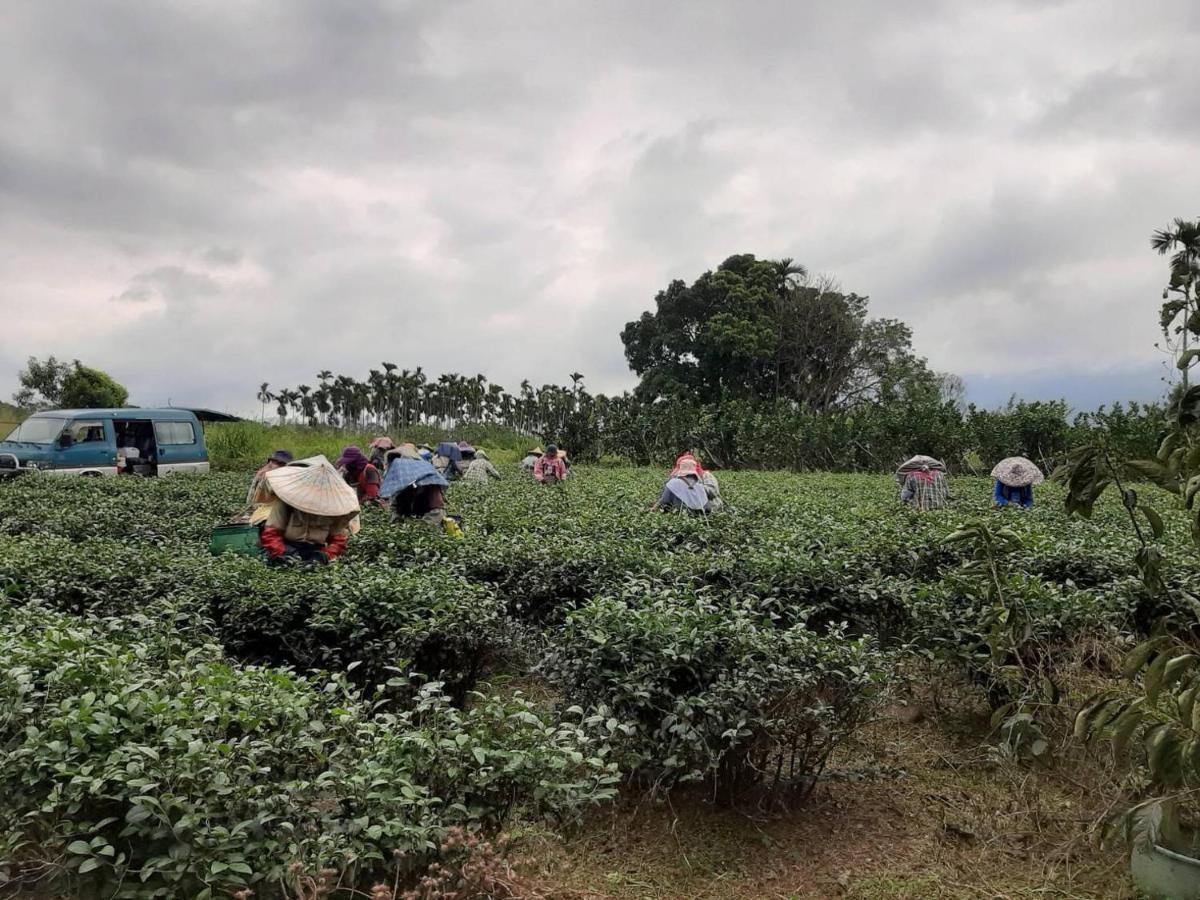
(41,383)
(88,388)
(758,329)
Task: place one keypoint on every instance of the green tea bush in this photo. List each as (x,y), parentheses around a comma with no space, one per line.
(381,620)
(135,765)
(705,693)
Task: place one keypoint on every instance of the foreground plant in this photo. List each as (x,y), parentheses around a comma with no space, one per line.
(132,766)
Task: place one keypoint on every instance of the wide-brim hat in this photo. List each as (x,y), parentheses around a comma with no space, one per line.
(921,462)
(382,443)
(686,467)
(1017,471)
(283,457)
(349,455)
(917,464)
(313,486)
(539,450)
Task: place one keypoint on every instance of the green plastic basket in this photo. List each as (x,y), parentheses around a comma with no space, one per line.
(240,539)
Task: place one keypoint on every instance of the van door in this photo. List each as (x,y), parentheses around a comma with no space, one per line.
(179,448)
(86,447)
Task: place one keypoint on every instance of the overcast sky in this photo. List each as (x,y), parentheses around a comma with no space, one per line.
(198,197)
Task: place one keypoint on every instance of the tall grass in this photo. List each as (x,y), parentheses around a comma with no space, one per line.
(244,445)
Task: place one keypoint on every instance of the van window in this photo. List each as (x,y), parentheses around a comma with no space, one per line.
(85,431)
(174,433)
(38,430)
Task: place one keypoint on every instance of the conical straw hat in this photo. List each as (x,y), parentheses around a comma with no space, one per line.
(918,462)
(1017,471)
(313,486)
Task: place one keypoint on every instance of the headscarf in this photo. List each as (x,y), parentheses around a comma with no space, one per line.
(687,457)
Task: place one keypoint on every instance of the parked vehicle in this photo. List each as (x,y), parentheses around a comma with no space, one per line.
(106,442)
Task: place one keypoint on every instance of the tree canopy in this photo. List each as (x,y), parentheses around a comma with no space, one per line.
(763,329)
(50,384)
(87,388)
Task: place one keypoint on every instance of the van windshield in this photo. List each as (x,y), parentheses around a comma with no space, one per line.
(37,430)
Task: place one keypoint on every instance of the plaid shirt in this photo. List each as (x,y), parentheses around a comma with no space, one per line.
(922,492)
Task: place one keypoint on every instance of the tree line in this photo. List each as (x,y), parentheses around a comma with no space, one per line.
(754,364)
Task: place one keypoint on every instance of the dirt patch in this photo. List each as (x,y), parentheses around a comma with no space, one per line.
(936,815)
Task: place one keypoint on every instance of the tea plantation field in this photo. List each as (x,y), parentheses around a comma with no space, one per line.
(173,724)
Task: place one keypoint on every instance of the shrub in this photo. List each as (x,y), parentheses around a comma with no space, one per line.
(712,694)
(136,764)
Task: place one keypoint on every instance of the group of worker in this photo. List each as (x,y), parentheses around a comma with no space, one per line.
(307,507)
(924,485)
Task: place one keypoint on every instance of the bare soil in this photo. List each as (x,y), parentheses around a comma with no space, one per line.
(940,816)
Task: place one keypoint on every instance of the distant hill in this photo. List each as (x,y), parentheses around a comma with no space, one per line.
(10,415)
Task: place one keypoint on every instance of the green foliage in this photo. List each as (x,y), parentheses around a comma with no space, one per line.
(41,383)
(761,329)
(729,654)
(139,764)
(704,693)
(1178,314)
(246,445)
(87,388)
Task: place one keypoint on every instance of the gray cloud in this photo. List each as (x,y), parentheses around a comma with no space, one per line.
(202,197)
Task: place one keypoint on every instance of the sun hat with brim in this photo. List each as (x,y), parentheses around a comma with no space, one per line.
(449,450)
(382,443)
(283,457)
(404,473)
(406,450)
(1017,471)
(686,467)
(350,455)
(916,464)
(481,454)
(313,486)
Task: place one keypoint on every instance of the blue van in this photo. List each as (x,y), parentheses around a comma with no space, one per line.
(106,442)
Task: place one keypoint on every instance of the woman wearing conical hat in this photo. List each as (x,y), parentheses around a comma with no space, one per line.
(480,468)
(1015,478)
(311,512)
(531,458)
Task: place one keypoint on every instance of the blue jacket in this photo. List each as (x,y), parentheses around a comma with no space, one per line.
(1004,495)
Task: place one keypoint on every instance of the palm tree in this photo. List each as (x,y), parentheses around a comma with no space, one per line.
(1184,239)
(264,397)
(307,408)
(790,276)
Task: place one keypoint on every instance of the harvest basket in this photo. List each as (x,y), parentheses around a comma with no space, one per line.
(239,539)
